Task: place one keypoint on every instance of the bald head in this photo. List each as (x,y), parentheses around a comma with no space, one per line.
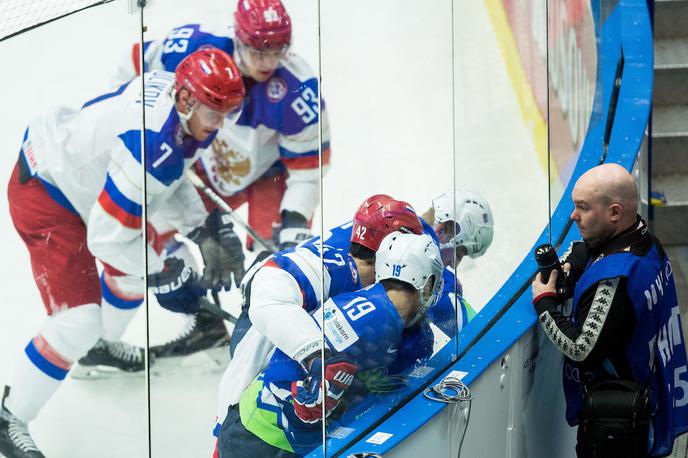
(611,183)
(609,195)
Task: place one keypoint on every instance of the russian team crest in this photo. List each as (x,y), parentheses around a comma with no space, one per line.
(276,89)
(232,166)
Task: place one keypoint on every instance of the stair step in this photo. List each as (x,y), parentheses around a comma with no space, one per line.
(678,255)
(669,155)
(670,86)
(671,53)
(670,121)
(671,17)
(674,186)
(671,72)
(670,225)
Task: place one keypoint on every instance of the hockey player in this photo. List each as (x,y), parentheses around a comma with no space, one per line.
(76,196)
(288,285)
(464,226)
(363,331)
(270,158)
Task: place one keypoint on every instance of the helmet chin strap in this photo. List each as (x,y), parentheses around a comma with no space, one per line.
(418,313)
(184,118)
(421,307)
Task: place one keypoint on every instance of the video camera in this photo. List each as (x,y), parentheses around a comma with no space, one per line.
(547,261)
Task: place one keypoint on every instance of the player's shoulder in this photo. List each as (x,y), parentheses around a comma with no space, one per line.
(156,98)
(448,273)
(295,69)
(427,229)
(185,39)
(374,294)
(201,32)
(339,236)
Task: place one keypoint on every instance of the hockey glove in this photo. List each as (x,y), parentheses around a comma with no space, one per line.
(221,249)
(294,230)
(176,287)
(310,393)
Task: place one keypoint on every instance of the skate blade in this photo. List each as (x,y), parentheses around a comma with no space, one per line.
(212,360)
(80,372)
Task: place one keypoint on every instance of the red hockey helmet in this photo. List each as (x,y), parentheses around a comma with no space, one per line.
(212,77)
(262,24)
(380,215)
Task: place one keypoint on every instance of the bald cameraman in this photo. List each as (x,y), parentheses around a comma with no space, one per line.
(625,376)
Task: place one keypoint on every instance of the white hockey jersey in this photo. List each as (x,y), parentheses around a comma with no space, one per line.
(90,162)
(279,126)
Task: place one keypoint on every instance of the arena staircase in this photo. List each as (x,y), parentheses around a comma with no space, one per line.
(670,138)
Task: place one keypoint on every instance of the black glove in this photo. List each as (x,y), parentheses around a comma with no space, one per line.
(223,255)
(176,288)
(294,230)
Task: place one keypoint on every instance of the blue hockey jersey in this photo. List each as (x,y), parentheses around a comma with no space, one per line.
(364,325)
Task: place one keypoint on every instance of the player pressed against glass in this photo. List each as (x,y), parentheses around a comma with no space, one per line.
(75,197)
(365,333)
(273,297)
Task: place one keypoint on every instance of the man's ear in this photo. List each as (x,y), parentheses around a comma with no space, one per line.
(616,212)
(183,99)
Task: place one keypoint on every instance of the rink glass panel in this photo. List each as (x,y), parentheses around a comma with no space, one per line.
(65,63)
(389,92)
(574,34)
(500,94)
(184,391)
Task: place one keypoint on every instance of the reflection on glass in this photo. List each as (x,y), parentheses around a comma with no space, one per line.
(391,113)
(572,51)
(501,136)
(84,253)
(257,178)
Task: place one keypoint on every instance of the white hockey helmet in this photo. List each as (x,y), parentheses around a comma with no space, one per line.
(472,217)
(413,259)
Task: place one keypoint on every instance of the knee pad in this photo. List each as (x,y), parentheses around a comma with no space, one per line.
(122,297)
(128,288)
(72,332)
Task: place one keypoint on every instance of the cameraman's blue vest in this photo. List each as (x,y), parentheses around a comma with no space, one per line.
(650,285)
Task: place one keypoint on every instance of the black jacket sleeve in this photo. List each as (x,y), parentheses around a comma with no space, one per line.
(605,321)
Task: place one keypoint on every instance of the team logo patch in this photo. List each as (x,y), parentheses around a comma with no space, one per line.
(337,329)
(276,89)
(232,166)
(354,271)
(178,135)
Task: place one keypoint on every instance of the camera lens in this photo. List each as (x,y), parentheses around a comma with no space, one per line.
(546,259)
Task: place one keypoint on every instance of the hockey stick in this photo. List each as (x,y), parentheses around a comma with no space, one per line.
(195,179)
(216,310)
(210,307)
